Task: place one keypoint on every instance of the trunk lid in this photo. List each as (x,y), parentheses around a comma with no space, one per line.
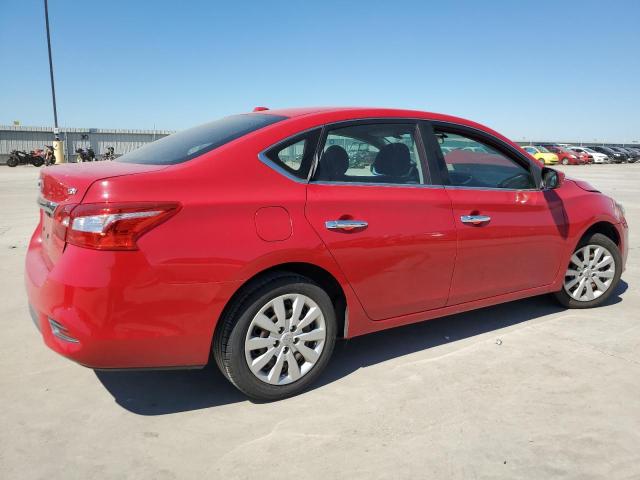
(62,185)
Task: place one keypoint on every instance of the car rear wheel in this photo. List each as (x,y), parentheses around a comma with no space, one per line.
(593,273)
(277,337)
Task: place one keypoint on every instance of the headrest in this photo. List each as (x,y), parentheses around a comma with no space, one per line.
(393,159)
(334,163)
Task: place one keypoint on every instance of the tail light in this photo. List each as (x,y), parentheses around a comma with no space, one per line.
(110,226)
(61,220)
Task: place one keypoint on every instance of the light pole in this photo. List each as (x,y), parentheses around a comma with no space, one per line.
(58,148)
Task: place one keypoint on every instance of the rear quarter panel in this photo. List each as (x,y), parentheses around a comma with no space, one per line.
(214,239)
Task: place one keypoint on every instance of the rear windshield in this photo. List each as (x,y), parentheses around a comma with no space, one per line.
(187,144)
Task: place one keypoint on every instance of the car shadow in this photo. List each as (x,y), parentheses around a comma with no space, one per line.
(172,391)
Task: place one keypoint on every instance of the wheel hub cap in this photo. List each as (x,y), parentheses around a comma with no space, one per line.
(590,273)
(285,339)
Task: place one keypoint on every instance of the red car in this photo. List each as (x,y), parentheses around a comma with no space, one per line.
(257,239)
(583,157)
(566,156)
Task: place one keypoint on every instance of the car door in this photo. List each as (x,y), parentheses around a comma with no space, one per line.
(510,233)
(390,230)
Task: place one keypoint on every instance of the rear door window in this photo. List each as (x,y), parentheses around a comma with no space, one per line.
(372,153)
(193,142)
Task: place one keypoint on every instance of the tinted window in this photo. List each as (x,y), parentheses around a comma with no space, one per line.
(193,142)
(373,153)
(472,163)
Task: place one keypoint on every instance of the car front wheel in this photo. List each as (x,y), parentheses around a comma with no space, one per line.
(593,273)
(277,337)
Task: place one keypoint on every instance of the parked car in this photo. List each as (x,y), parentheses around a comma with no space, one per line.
(582,154)
(583,157)
(597,157)
(594,157)
(632,155)
(636,151)
(542,154)
(615,157)
(565,156)
(207,243)
(626,157)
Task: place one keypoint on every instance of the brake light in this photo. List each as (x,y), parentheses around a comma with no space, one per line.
(61,220)
(111,226)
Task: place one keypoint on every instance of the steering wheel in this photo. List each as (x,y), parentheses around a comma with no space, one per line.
(459,178)
(521,180)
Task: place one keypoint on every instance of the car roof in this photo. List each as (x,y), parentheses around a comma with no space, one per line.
(360,112)
(336,114)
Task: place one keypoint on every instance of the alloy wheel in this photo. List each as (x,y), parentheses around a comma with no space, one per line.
(285,339)
(591,271)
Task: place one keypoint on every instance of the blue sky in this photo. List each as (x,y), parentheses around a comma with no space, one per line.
(543,69)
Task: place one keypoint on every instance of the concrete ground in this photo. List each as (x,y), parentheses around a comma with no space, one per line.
(521,390)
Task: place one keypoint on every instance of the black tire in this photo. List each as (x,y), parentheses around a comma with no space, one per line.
(37,162)
(12,162)
(228,343)
(602,240)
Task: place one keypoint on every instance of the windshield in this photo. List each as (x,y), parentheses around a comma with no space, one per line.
(193,142)
(543,150)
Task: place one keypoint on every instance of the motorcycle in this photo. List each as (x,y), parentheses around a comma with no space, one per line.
(85,155)
(49,157)
(21,157)
(109,154)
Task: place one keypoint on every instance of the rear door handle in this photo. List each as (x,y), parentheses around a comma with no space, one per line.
(345,225)
(475,219)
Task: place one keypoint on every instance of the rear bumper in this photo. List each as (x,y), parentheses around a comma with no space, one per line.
(122,312)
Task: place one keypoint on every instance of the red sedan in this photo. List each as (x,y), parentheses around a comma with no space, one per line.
(583,157)
(260,240)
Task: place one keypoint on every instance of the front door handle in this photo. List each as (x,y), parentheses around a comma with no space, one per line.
(345,225)
(475,219)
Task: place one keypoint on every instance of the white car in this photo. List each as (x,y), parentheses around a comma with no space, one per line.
(597,156)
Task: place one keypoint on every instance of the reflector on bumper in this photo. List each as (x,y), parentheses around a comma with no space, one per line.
(61,332)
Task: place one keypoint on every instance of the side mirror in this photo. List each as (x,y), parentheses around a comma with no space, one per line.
(551,178)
